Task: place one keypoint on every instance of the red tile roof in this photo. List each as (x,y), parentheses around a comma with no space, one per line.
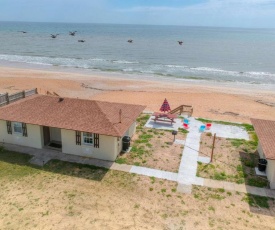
(265,130)
(73,114)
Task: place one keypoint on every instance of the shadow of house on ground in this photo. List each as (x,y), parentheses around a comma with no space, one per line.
(257,204)
(21,167)
(249,161)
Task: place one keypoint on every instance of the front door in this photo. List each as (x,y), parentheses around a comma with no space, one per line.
(46,134)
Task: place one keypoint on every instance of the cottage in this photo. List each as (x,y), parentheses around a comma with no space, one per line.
(74,126)
(265,129)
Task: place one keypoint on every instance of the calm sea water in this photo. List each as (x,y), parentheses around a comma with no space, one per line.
(214,54)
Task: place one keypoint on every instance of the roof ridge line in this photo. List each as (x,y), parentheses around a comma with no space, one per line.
(107,118)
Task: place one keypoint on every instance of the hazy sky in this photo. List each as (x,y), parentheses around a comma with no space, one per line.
(236,13)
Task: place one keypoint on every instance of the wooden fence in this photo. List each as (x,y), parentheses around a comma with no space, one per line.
(7,99)
(183,109)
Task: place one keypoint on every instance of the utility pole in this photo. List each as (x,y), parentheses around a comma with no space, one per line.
(213,146)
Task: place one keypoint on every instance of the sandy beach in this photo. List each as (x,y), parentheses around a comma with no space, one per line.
(237,103)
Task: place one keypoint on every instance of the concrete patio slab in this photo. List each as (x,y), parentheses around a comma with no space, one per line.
(163,125)
(179,142)
(228,131)
(213,183)
(240,188)
(205,160)
(256,191)
(260,173)
(228,186)
(198,181)
(154,173)
(40,161)
(270,193)
(121,167)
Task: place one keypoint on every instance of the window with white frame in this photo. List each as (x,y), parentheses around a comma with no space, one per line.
(88,138)
(17,127)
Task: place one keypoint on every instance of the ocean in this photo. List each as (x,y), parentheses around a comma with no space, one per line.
(207,53)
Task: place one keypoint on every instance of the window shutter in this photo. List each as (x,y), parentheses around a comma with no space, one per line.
(9,130)
(24,129)
(96,140)
(77,138)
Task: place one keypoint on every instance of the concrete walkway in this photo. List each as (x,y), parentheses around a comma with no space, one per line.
(154,173)
(188,164)
(190,155)
(42,156)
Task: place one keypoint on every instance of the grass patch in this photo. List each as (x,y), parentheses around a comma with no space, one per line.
(257,182)
(183,130)
(121,160)
(142,120)
(256,201)
(220,176)
(15,165)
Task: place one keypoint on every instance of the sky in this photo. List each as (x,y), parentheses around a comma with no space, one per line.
(221,13)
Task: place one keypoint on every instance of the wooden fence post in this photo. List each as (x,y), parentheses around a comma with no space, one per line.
(24,93)
(7,98)
(213,146)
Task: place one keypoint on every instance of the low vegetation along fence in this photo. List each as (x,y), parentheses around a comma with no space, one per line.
(6,99)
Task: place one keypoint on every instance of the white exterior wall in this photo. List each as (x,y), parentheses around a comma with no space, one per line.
(270,168)
(130,132)
(107,146)
(270,171)
(34,138)
(132,129)
(260,151)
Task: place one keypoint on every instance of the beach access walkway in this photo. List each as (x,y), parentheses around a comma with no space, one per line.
(186,176)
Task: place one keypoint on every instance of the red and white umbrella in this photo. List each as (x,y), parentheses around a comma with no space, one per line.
(165,106)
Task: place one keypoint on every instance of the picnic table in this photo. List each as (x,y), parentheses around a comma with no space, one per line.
(164,117)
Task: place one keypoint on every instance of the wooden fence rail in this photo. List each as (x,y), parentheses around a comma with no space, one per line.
(6,98)
(183,109)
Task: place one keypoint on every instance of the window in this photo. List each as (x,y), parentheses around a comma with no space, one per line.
(9,127)
(17,127)
(88,138)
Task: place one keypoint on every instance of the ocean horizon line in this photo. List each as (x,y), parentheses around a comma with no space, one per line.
(137,24)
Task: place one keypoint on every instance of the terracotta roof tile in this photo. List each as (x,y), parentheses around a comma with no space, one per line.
(265,130)
(73,114)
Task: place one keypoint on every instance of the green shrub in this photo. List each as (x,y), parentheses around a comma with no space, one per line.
(121,160)
(2,149)
(254,200)
(257,182)
(220,176)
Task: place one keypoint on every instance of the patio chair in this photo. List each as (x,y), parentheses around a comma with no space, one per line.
(208,125)
(185,121)
(202,128)
(185,126)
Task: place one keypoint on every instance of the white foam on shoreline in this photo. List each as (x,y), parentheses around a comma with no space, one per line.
(130,73)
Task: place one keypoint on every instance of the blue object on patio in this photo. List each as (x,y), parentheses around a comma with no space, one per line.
(202,128)
(186,121)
